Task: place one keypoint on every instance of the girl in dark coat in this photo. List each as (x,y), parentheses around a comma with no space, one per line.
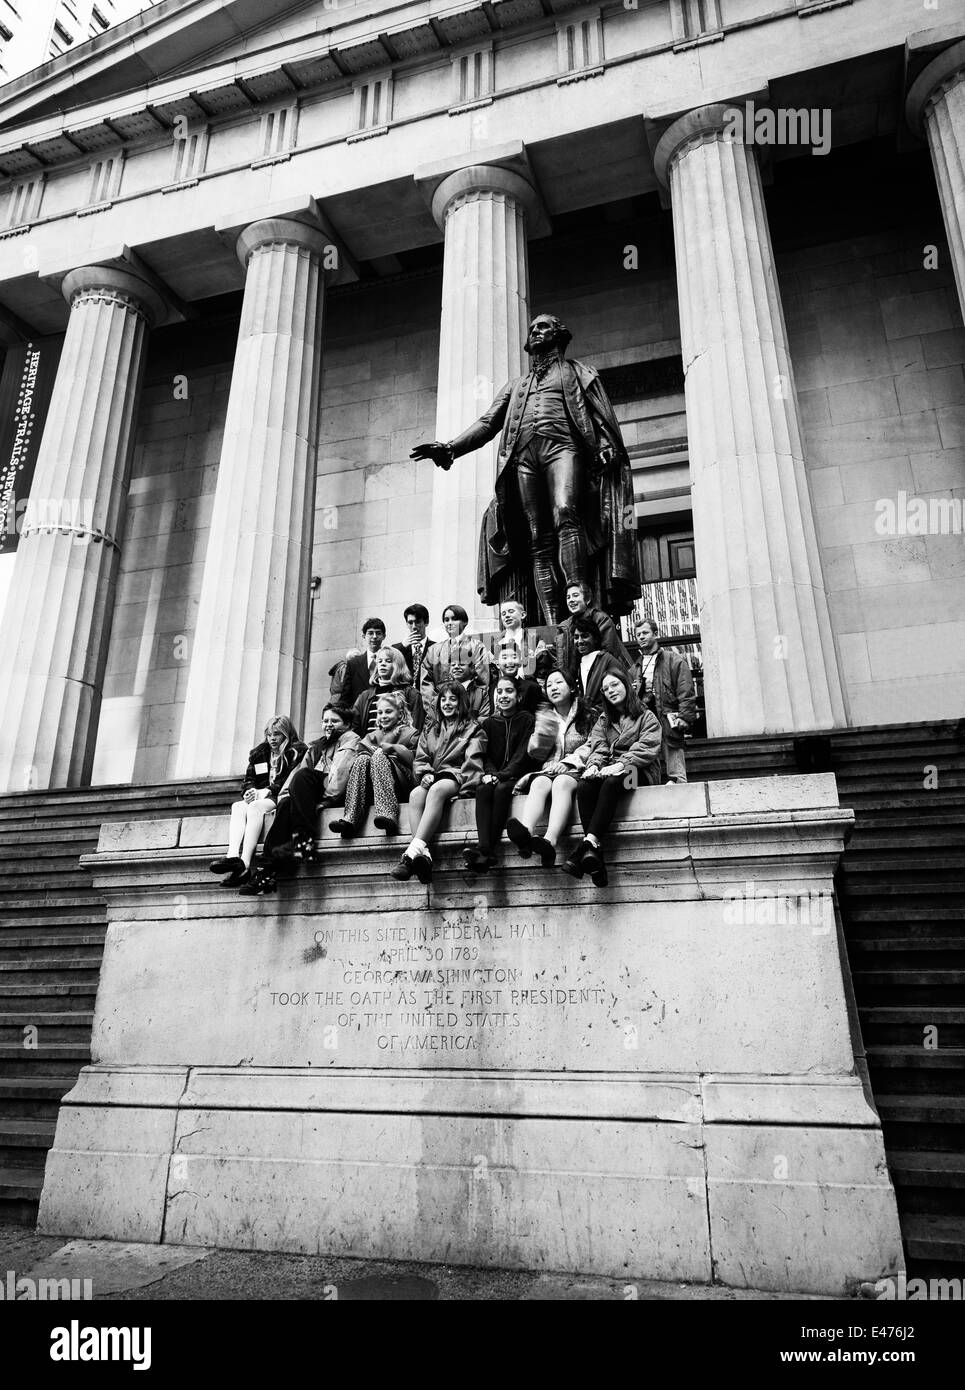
(508,732)
(391,673)
(269,766)
(623,752)
(448,762)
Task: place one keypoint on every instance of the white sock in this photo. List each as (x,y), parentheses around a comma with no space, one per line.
(593,841)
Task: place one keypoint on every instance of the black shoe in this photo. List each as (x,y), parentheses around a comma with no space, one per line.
(227,864)
(520,836)
(343,827)
(285,853)
(574,864)
(545,850)
(236,879)
(386,823)
(257,884)
(476,861)
(600,878)
(592,861)
(423,868)
(404,870)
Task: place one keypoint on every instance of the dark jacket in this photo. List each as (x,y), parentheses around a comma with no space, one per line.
(529,694)
(507,742)
(593,694)
(258,773)
(673,691)
(406,651)
(504,546)
(635,742)
(568,658)
(356,678)
(363,705)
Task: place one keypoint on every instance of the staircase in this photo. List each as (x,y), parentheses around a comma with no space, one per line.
(52,926)
(901,887)
(903,906)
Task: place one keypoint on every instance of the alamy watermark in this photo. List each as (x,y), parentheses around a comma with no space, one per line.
(24,1289)
(783,125)
(918,516)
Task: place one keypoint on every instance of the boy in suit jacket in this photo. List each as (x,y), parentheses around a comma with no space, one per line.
(360,669)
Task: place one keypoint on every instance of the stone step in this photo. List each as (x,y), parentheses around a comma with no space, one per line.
(59,940)
(934,1239)
(38,995)
(71,1026)
(58,970)
(25,1142)
(56,919)
(935,1110)
(892,1025)
(20,1183)
(34,1096)
(895,867)
(909,1168)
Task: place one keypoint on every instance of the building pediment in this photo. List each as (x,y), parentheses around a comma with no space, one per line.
(272,46)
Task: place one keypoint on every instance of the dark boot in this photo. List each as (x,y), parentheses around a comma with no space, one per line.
(573,865)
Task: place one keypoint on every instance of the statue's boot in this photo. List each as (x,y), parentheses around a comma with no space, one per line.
(547,587)
(572,553)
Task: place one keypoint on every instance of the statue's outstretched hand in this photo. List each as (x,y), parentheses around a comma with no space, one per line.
(440,454)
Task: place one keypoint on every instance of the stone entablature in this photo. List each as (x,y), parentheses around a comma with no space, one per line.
(227,103)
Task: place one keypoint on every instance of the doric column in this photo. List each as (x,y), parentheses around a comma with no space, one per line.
(485,310)
(769,654)
(936,110)
(250,649)
(57,620)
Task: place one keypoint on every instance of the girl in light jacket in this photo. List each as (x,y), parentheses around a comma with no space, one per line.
(623,752)
(269,766)
(382,771)
(448,762)
(559,743)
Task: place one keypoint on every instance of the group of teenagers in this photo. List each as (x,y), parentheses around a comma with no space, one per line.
(428,722)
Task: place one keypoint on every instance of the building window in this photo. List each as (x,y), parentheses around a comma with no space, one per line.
(373,107)
(278,131)
(580,48)
(98,19)
(105,181)
(472,77)
(62,34)
(23,204)
(190,157)
(695,19)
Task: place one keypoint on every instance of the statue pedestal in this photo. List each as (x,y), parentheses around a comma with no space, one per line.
(656,1080)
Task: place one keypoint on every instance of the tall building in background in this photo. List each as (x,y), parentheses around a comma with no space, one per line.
(33,31)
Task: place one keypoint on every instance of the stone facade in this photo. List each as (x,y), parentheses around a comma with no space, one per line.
(448,179)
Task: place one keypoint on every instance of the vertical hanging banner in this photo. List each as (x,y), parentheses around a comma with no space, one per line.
(26,386)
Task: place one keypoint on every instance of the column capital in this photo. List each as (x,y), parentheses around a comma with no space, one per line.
(944,71)
(694,128)
(281,231)
(475,181)
(116,272)
(504,169)
(295,221)
(109,282)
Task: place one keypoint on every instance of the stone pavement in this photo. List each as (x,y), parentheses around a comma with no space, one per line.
(179,1273)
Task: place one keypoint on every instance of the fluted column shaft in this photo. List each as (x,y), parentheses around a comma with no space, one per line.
(769,656)
(57,620)
(936,109)
(485,309)
(250,649)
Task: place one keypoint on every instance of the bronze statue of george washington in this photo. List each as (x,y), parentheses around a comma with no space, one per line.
(563,506)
